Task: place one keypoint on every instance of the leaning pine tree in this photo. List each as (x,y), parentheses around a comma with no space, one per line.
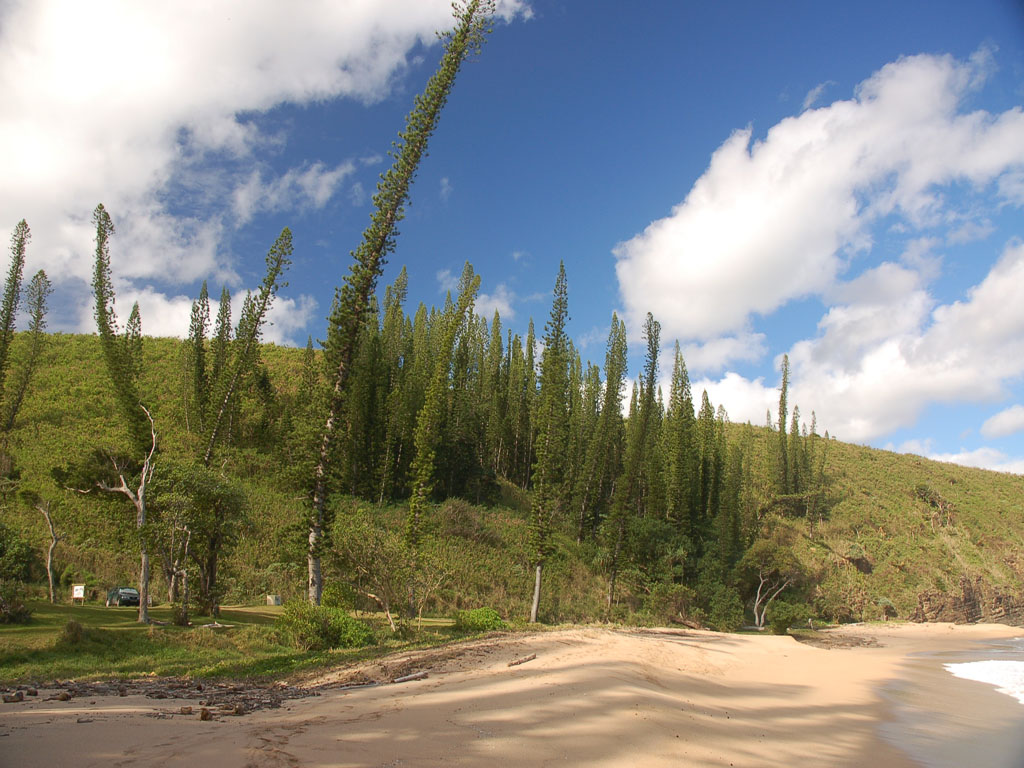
(352,300)
(129,478)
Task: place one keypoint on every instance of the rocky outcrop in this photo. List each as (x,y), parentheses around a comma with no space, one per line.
(977,600)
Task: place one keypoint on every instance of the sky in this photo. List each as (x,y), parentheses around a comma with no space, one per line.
(842,183)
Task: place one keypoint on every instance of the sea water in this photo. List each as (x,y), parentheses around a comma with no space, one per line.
(948,708)
(1005,670)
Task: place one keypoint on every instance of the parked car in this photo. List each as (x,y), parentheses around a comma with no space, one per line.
(123,596)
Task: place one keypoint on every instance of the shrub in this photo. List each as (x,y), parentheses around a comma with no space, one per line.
(724,608)
(13,609)
(479,620)
(783,615)
(338,595)
(670,602)
(73,633)
(319,627)
(16,555)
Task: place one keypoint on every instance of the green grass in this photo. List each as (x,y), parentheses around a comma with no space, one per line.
(115,646)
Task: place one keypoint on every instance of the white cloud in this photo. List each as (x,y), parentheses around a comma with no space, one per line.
(815,93)
(1007,422)
(501,300)
(308,187)
(287,319)
(447,282)
(120,102)
(983,458)
(778,219)
(164,315)
(744,400)
(880,359)
(716,354)
(446,188)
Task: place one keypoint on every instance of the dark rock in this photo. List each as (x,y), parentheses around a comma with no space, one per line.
(977,601)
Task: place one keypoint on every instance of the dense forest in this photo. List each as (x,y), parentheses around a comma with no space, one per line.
(430,460)
(650,506)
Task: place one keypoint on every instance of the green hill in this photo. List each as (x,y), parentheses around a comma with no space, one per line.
(885,535)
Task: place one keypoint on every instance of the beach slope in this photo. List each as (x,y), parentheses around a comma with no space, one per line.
(600,697)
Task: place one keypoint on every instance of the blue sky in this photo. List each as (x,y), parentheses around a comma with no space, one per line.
(843,184)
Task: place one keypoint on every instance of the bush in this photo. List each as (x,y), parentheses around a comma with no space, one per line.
(319,627)
(670,602)
(338,595)
(73,633)
(782,616)
(13,609)
(479,620)
(16,555)
(724,608)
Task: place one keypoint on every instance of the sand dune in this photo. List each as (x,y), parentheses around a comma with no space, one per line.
(598,697)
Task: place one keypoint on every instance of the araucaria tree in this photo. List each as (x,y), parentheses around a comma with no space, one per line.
(130,477)
(629,489)
(549,470)
(352,301)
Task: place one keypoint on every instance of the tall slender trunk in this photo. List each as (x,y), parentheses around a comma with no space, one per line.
(615,564)
(144,587)
(536,594)
(44,507)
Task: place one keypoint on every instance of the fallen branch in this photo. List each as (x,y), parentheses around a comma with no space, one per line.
(517,662)
(413,676)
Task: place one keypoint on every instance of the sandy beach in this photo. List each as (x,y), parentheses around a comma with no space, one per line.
(591,696)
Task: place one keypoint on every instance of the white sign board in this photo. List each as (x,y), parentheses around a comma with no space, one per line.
(78,591)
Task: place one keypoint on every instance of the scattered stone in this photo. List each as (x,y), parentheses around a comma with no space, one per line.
(84,720)
(186,710)
(11,698)
(31,692)
(122,690)
(204,714)
(63,696)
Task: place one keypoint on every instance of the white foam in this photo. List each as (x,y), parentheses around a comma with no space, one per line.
(1006,676)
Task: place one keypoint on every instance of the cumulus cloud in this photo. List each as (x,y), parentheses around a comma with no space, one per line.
(780,218)
(1007,422)
(122,102)
(983,458)
(716,354)
(889,352)
(298,188)
(500,300)
(164,315)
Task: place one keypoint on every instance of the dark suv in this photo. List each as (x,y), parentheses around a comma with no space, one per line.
(123,596)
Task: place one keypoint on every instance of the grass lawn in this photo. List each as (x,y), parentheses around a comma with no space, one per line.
(113,645)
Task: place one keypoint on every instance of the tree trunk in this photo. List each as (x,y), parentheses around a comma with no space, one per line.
(44,507)
(536,594)
(615,565)
(211,577)
(316,579)
(49,568)
(144,587)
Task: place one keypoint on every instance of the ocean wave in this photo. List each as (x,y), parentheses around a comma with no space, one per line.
(1007,676)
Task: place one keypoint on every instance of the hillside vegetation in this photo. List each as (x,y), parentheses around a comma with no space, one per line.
(878,530)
